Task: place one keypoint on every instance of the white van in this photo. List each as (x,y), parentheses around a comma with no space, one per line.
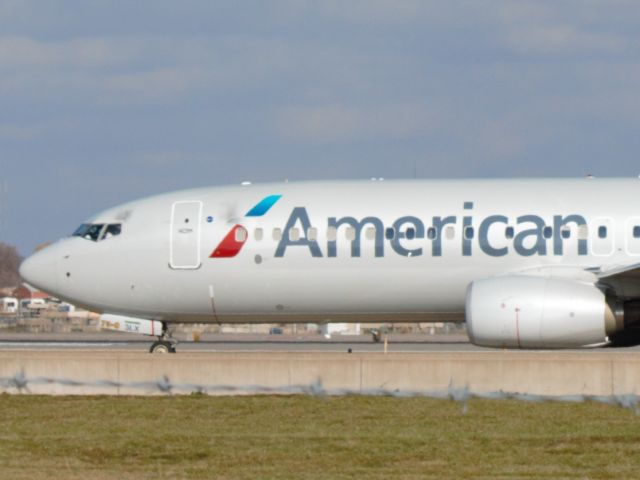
(8,305)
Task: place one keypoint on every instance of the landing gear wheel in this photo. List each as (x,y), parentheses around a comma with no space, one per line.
(165,343)
(162,346)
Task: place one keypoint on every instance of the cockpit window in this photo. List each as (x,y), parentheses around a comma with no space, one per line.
(98,231)
(113,230)
(89,231)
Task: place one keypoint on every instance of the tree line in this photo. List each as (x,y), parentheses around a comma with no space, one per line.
(10,261)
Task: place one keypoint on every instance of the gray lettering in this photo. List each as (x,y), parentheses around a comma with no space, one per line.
(558,222)
(418,228)
(438,225)
(299,214)
(332,245)
(540,245)
(483,236)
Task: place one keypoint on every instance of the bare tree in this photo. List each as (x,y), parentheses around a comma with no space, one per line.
(10,261)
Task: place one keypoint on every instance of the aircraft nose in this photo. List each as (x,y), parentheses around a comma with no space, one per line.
(40,270)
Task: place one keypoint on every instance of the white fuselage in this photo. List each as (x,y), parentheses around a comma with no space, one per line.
(338,251)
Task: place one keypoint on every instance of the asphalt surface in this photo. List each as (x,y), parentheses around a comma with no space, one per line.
(236,342)
(251,343)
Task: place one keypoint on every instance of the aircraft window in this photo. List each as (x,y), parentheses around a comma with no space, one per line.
(241,234)
(509,232)
(350,233)
(583,232)
(389,233)
(81,230)
(449,232)
(258,234)
(547,232)
(602,231)
(277,234)
(410,234)
(113,230)
(89,231)
(636,231)
(468,233)
(431,233)
(312,234)
(370,233)
(565,232)
(332,234)
(294,234)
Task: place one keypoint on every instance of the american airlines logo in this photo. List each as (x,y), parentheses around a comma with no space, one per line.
(410,236)
(233,242)
(494,235)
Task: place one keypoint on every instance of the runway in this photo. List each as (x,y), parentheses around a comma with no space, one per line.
(237,343)
(116,342)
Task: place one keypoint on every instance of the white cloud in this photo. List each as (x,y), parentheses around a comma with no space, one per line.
(375,11)
(338,123)
(561,28)
(562,39)
(21,52)
(167,83)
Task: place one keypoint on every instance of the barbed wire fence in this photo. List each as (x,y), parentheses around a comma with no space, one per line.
(20,383)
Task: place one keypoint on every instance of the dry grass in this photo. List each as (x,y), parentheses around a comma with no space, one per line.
(311,438)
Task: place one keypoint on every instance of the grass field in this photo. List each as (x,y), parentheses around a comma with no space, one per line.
(311,438)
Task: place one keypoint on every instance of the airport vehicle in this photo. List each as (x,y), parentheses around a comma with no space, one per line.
(544,263)
(33,304)
(8,305)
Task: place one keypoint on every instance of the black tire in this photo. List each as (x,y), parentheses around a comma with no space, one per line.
(161,347)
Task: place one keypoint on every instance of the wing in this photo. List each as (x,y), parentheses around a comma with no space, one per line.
(624,280)
(620,272)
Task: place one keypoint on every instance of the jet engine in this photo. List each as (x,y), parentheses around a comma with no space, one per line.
(540,312)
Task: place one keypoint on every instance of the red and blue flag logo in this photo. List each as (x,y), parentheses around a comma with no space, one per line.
(233,242)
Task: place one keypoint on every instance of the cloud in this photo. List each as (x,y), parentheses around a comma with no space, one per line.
(25,52)
(562,39)
(161,84)
(375,11)
(549,29)
(338,123)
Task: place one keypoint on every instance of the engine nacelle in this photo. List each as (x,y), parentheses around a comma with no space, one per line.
(539,312)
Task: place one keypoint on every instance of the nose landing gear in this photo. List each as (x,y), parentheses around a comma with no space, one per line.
(142,326)
(165,343)
(162,346)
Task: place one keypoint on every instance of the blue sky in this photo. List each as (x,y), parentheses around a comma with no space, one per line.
(107,101)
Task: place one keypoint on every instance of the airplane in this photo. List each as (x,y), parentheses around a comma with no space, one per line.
(527,263)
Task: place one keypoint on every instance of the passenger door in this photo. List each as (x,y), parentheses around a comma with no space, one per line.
(185,235)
